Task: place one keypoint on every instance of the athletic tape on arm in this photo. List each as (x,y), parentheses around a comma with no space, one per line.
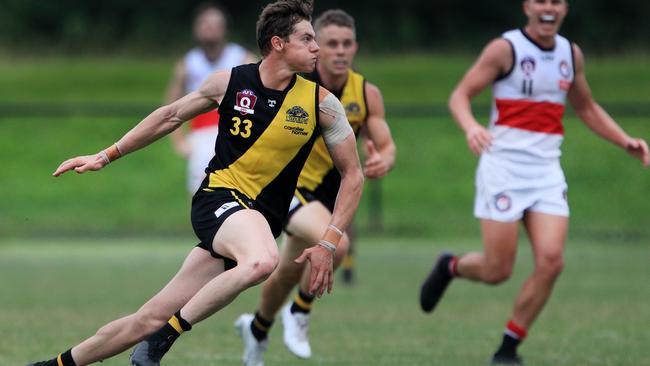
(340,128)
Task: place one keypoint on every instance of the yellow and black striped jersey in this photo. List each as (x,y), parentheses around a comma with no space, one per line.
(264,139)
(319,173)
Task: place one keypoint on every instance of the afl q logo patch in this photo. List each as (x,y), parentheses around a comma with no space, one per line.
(502,202)
(527,65)
(565,69)
(245,102)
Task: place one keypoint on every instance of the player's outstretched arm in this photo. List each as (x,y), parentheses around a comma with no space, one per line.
(596,118)
(340,141)
(159,123)
(379,146)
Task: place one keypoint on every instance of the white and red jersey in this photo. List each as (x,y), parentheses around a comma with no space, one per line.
(198,67)
(528,102)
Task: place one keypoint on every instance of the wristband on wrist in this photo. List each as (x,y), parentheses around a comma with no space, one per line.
(335,229)
(104,156)
(111,154)
(327,245)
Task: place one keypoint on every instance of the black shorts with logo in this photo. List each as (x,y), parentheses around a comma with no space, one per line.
(210,208)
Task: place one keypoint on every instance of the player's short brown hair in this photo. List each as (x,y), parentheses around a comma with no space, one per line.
(334,17)
(278,19)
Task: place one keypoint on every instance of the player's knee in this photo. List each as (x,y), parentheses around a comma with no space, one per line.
(497,276)
(550,265)
(260,268)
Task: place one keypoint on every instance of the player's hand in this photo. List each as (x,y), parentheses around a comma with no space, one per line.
(81,164)
(478,139)
(322,269)
(374,166)
(638,148)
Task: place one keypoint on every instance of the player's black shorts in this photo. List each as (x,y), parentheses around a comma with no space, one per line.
(210,208)
(303,196)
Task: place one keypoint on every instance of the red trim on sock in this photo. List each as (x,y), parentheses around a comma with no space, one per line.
(519,331)
(453,266)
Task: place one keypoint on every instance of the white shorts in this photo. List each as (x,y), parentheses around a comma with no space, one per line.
(505,193)
(202,143)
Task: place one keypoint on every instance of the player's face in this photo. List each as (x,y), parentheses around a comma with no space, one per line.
(301,49)
(338,46)
(545,16)
(210,28)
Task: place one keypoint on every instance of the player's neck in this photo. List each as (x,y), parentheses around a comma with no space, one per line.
(212,51)
(275,74)
(331,81)
(541,40)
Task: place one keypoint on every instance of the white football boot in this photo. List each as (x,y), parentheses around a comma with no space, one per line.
(296,326)
(253,349)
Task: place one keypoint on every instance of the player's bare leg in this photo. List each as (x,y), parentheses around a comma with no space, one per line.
(492,266)
(307,226)
(115,337)
(200,285)
(244,236)
(547,234)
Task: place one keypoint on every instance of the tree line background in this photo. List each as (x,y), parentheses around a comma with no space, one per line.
(162,27)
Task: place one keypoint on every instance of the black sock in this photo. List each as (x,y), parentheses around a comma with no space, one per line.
(65,358)
(184,324)
(302,303)
(260,327)
(165,336)
(508,345)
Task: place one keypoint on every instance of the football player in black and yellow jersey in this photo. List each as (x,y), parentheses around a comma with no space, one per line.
(269,120)
(318,184)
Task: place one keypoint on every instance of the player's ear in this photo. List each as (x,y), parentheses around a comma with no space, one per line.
(524,6)
(566,7)
(355,46)
(277,43)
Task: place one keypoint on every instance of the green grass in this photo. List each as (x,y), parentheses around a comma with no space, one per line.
(56,292)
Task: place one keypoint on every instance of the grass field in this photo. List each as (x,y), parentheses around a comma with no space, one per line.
(56,292)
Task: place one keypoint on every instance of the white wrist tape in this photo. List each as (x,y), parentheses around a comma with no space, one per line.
(339,129)
(335,229)
(327,245)
(104,157)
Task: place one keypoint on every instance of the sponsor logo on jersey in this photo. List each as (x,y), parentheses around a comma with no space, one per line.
(548,57)
(271,102)
(296,114)
(245,102)
(296,130)
(352,108)
(565,85)
(527,65)
(502,202)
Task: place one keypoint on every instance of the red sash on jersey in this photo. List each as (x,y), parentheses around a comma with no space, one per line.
(544,117)
(209,119)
